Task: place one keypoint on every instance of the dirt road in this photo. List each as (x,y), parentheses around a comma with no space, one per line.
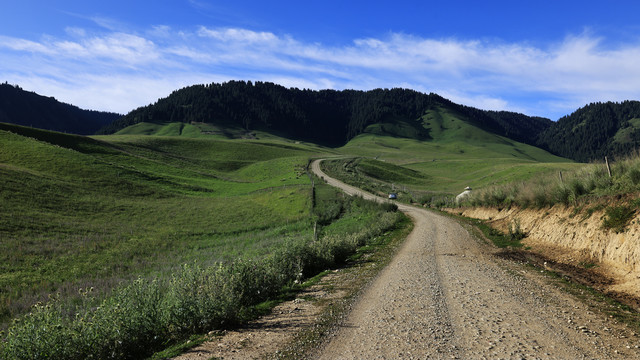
(445,296)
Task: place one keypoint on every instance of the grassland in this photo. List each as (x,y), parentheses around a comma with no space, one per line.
(387,158)
(82,212)
(589,187)
(101,212)
(103,227)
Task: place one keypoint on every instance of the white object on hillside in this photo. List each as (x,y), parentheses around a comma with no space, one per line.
(463,195)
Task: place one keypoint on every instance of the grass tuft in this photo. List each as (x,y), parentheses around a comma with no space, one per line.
(592,180)
(617,218)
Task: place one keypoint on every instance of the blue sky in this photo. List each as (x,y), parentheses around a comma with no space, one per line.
(544,58)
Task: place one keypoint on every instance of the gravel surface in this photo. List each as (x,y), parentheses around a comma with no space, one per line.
(445,296)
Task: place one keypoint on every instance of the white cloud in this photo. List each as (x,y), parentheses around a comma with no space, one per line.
(478,101)
(76,32)
(23,45)
(122,47)
(125,70)
(239,35)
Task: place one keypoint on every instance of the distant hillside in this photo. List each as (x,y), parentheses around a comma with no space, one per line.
(27,108)
(594,131)
(326,117)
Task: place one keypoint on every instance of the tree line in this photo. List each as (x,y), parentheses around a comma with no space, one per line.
(26,108)
(332,117)
(328,117)
(595,131)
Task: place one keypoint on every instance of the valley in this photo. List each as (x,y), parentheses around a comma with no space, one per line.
(197,215)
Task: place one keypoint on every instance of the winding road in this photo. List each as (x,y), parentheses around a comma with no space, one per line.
(446,296)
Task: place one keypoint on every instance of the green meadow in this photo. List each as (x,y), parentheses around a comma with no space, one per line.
(124,213)
(82,212)
(388,158)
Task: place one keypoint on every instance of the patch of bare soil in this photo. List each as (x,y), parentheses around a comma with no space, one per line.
(594,278)
(267,336)
(576,242)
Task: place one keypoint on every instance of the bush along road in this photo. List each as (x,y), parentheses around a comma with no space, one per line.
(446,296)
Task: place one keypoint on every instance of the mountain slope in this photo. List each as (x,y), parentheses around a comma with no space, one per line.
(594,131)
(458,154)
(327,117)
(78,211)
(26,108)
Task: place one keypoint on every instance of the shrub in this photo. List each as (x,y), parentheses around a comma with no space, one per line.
(515,231)
(498,197)
(562,195)
(43,333)
(389,207)
(617,217)
(578,188)
(598,179)
(115,329)
(634,176)
(541,198)
(145,315)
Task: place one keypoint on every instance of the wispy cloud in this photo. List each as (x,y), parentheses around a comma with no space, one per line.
(118,70)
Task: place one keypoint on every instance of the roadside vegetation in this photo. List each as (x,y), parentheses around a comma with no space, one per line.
(568,188)
(587,189)
(147,314)
(117,246)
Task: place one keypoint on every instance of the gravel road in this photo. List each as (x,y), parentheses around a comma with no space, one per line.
(445,296)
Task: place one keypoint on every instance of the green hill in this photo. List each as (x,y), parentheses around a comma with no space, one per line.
(82,211)
(457,154)
(246,110)
(326,117)
(446,147)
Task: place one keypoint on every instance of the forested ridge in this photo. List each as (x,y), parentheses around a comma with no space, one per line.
(26,108)
(594,131)
(332,117)
(327,117)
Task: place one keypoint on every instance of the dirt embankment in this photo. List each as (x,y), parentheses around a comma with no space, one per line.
(576,239)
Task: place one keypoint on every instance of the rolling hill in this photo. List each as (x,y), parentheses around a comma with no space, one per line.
(457,154)
(239,109)
(448,146)
(77,210)
(325,117)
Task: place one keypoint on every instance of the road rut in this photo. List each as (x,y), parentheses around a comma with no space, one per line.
(445,296)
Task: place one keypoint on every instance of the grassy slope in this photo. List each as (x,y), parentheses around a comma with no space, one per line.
(77,211)
(457,155)
(92,211)
(198,130)
(445,155)
(178,129)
